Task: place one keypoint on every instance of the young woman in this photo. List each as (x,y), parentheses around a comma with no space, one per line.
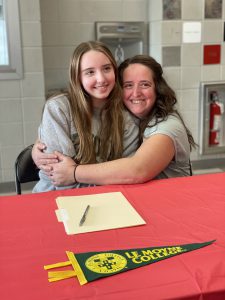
(165,151)
(88,124)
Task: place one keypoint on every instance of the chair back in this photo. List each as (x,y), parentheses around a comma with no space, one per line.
(190,167)
(25,169)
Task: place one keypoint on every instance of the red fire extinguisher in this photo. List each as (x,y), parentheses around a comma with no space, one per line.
(215,120)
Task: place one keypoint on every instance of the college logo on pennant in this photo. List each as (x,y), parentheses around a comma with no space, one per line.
(90,266)
(106,263)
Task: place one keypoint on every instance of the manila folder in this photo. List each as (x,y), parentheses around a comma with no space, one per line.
(107,211)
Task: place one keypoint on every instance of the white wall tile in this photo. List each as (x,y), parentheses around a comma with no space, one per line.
(190,77)
(33,85)
(191,119)
(50,34)
(191,54)
(223,14)
(9,155)
(66,54)
(211,72)
(135,10)
(31,34)
(49,10)
(33,60)
(156,33)
(10,111)
(52,57)
(69,11)
(32,109)
(1,173)
(87,32)
(156,52)
(155,10)
(171,32)
(69,33)
(223,73)
(8,175)
(172,76)
(212,32)
(9,89)
(192,10)
(92,11)
(190,100)
(30,10)
(11,134)
(223,53)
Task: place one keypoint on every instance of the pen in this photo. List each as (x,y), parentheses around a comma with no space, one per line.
(83,218)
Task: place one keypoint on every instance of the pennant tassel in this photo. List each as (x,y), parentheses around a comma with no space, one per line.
(57,265)
(59,275)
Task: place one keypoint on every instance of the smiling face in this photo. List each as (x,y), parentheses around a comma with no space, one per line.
(97,76)
(139,94)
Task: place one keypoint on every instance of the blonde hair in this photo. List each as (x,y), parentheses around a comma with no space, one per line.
(112,124)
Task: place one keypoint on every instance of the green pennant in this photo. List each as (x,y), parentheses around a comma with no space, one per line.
(90,266)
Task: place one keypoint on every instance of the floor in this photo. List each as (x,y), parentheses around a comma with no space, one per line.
(208,171)
(9,188)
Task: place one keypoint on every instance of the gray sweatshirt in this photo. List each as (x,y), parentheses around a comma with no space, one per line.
(58,132)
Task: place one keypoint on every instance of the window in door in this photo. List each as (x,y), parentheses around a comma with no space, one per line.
(10,43)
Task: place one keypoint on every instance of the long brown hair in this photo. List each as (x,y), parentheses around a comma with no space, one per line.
(111,129)
(165,96)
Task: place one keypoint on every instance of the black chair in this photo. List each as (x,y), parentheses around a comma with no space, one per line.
(25,169)
(190,167)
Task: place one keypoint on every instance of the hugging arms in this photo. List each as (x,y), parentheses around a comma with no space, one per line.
(165,150)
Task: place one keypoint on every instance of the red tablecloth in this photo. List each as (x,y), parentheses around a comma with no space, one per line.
(177,211)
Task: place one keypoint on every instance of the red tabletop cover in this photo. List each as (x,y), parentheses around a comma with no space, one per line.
(177,211)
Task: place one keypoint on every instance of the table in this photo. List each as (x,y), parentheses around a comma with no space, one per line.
(177,211)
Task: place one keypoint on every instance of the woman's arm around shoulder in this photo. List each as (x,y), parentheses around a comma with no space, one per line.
(150,159)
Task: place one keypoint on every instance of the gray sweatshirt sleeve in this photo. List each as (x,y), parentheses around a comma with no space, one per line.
(55,129)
